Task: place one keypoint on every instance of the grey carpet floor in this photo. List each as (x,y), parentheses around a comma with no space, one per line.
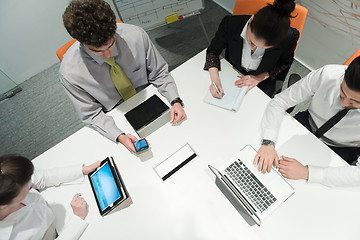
(41,115)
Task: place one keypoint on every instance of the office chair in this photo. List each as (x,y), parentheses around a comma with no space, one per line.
(249,7)
(61,51)
(356,54)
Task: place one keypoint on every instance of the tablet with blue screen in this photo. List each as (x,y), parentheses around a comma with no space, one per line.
(107,186)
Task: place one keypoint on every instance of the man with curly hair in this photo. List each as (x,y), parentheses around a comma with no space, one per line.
(85,69)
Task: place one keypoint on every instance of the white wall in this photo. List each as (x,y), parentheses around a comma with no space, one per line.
(31,32)
(331,32)
(228,5)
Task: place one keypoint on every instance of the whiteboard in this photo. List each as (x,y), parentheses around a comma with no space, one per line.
(152,13)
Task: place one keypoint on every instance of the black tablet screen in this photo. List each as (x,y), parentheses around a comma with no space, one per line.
(146,112)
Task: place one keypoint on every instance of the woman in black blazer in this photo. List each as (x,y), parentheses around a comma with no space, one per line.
(260,46)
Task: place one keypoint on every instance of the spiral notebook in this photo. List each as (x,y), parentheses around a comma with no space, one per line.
(233,96)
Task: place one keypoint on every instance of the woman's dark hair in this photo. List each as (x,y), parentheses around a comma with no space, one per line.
(352,75)
(91,22)
(272,22)
(15,172)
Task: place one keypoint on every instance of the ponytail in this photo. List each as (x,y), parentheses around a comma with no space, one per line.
(284,7)
(272,22)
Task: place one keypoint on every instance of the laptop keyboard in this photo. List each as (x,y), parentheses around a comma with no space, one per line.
(259,195)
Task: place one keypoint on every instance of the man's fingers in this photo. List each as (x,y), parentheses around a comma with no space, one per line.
(269,167)
(256,159)
(76,196)
(288,159)
(175,118)
(276,162)
(260,164)
(172,116)
(132,138)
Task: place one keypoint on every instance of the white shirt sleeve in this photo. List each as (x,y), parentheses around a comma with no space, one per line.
(297,93)
(348,176)
(56,176)
(73,229)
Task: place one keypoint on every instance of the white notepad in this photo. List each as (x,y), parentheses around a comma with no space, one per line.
(233,95)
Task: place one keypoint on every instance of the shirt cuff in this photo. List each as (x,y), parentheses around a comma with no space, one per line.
(73,229)
(116,134)
(212,60)
(316,174)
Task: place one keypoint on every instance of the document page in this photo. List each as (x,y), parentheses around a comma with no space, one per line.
(233,95)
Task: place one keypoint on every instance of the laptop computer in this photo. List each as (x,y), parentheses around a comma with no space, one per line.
(259,194)
(148,116)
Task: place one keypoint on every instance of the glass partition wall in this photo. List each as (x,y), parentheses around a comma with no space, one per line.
(8,88)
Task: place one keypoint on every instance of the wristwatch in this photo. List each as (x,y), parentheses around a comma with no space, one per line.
(177,100)
(267,142)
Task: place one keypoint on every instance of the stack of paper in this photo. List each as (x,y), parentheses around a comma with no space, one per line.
(233,95)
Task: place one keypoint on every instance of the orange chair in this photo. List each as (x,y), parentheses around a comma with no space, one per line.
(356,54)
(61,51)
(249,7)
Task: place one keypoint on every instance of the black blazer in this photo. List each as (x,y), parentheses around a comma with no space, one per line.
(275,59)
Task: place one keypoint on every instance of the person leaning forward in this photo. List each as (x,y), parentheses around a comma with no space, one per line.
(85,71)
(334,89)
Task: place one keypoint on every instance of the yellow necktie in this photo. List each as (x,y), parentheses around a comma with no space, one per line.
(121,81)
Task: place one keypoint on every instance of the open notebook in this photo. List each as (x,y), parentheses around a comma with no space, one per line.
(233,95)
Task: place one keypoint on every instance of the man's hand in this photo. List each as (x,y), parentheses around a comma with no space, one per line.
(177,113)
(128,141)
(90,168)
(291,168)
(265,157)
(79,206)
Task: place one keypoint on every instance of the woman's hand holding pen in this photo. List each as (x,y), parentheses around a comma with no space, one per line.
(215,88)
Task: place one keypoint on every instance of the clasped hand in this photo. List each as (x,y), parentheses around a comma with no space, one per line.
(288,167)
(177,113)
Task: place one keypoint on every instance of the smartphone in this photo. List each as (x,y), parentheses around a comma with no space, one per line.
(141,145)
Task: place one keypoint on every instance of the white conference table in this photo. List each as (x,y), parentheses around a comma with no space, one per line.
(189,205)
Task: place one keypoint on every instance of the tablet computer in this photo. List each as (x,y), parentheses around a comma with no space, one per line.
(108,189)
(148,116)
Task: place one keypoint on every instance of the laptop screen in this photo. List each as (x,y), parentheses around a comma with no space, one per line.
(105,186)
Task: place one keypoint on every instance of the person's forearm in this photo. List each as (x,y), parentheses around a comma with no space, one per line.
(214,74)
(56,176)
(263,76)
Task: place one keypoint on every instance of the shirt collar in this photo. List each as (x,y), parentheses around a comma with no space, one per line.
(100,60)
(243,32)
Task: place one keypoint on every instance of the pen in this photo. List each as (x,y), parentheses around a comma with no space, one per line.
(217,90)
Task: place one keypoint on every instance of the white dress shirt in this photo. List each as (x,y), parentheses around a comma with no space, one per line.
(36,220)
(250,61)
(323,85)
